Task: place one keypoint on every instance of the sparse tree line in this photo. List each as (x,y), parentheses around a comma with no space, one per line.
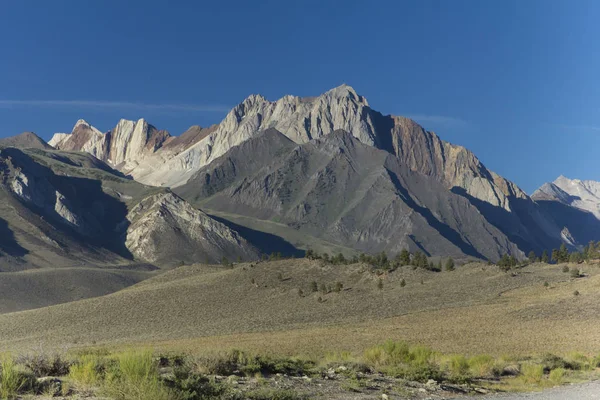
(417,259)
(561,255)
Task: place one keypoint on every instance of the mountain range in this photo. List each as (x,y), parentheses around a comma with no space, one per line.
(326,172)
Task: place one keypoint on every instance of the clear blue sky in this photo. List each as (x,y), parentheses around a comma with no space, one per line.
(514,81)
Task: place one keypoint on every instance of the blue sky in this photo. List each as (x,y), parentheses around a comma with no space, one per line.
(514,81)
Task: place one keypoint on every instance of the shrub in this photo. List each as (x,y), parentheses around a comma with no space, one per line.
(190,386)
(400,360)
(575,273)
(576,293)
(557,375)
(323,288)
(458,369)
(274,394)
(374,356)
(136,378)
(86,372)
(217,364)
(484,366)
(532,373)
(546,284)
(565,269)
(12,381)
(580,361)
(551,361)
(380,284)
(402,283)
(314,287)
(338,287)
(44,365)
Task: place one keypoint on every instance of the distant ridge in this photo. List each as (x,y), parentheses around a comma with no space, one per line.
(25,140)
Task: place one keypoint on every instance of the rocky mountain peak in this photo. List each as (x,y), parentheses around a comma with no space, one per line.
(345,91)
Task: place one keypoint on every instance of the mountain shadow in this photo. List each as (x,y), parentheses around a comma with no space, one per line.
(8,243)
(519,225)
(93,214)
(583,225)
(267,243)
(446,231)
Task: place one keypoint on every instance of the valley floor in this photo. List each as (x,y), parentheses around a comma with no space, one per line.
(313,309)
(271,306)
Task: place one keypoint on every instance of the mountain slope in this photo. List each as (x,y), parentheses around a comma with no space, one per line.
(69,209)
(348,193)
(584,195)
(25,140)
(574,205)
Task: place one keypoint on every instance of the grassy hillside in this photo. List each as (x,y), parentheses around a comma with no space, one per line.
(270,306)
(37,288)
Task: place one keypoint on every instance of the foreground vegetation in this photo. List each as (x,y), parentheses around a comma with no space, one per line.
(142,374)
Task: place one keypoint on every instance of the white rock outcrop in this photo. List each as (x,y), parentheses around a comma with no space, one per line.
(164,225)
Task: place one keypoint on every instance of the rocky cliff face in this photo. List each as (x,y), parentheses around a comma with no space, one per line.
(122,147)
(301,120)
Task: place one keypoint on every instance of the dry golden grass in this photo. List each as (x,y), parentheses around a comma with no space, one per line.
(475,309)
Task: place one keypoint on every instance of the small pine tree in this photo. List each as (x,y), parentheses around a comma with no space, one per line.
(382,260)
(404,257)
(505,263)
(532,257)
(309,254)
(338,287)
(380,284)
(546,284)
(224,261)
(314,287)
(449,264)
(323,288)
(325,257)
(545,258)
(555,256)
(403,283)
(563,253)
